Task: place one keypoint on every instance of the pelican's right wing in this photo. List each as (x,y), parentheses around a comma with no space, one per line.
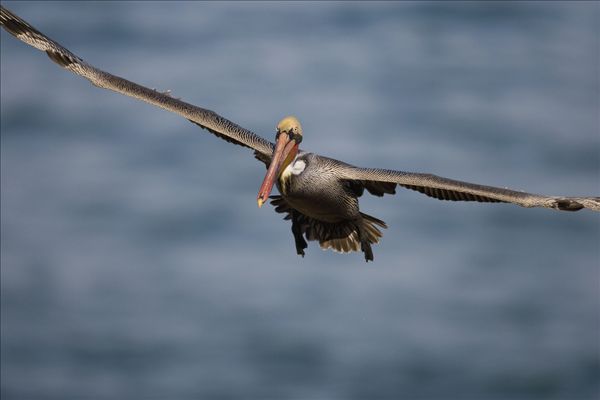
(381,181)
(209,120)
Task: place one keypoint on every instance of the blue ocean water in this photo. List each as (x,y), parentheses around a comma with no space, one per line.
(135,263)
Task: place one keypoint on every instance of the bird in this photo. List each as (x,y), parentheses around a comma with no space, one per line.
(319,195)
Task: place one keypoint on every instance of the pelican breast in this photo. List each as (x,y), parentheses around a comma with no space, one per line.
(290,173)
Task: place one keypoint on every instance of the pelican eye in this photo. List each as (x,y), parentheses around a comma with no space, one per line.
(294,135)
(297,137)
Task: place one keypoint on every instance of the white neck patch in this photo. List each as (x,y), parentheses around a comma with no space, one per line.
(297,167)
(294,168)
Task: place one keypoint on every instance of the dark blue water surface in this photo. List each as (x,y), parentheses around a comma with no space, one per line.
(136,265)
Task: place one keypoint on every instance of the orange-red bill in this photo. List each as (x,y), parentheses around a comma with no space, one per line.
(283,149)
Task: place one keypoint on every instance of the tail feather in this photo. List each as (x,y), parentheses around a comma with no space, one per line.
(342,237)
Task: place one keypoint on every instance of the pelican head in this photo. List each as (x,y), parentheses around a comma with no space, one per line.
(290,125)
(288,137)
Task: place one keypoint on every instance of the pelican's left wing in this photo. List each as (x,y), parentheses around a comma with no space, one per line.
(209,120)
(381,181)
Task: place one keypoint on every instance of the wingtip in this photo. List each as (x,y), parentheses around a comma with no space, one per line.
(577,203)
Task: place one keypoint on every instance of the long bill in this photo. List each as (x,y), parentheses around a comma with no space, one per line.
(285,151)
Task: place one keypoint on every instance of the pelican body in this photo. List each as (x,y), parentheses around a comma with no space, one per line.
(318,194)
(320,205)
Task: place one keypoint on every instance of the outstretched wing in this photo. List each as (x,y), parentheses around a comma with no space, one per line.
(207,119)
(381,181)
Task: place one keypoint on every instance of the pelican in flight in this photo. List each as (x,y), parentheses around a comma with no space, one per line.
(318,194)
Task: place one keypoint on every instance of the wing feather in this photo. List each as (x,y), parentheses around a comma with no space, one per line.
(207,119)
(454,190)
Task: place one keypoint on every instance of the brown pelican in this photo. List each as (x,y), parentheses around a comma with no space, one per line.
(318,194)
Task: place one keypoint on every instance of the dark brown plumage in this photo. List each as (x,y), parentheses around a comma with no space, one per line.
(318,194)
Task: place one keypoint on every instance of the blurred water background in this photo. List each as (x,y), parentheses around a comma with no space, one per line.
(135,263)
